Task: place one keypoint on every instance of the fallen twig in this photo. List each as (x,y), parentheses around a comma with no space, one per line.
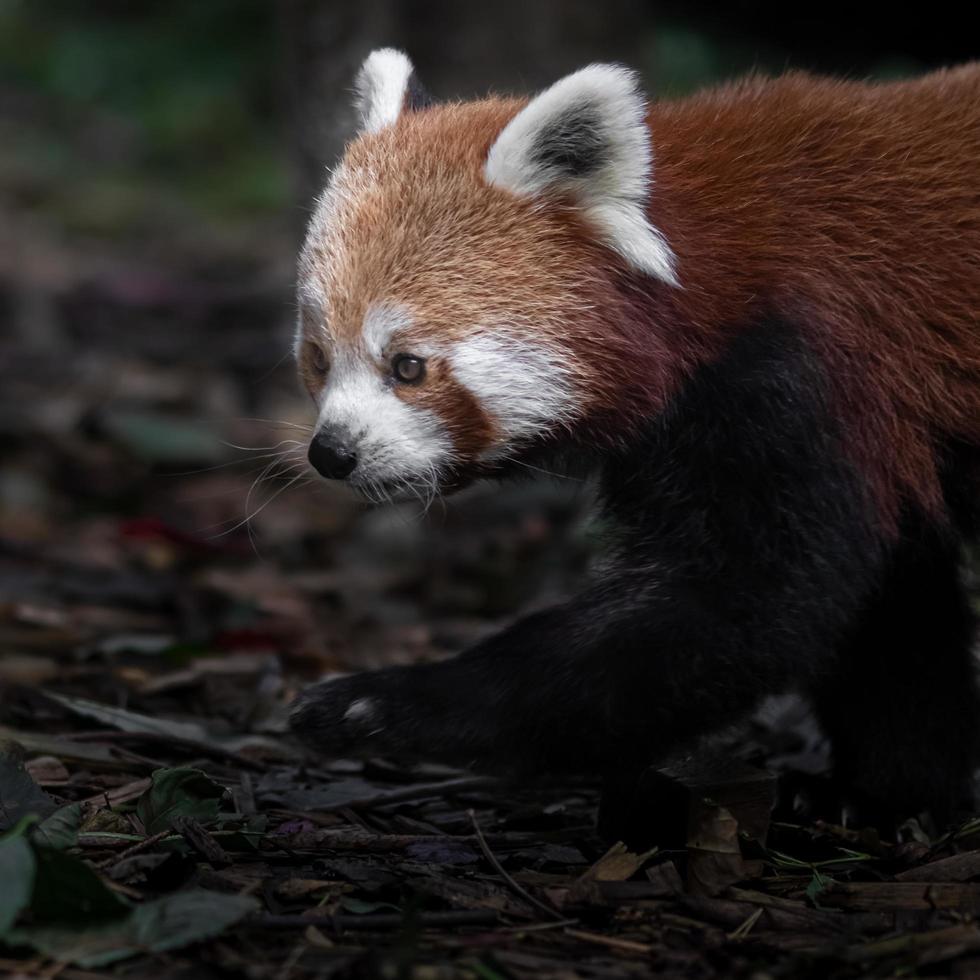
(382,921)
(891,896)
(360,839)
(121,794)
(613,942)
(499,868)
(202,842)
(418,792)
(931,947)
(959,867)
(143,845)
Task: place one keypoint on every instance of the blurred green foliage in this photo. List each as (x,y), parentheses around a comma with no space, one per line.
(685,57)
(150,120)
(121,96)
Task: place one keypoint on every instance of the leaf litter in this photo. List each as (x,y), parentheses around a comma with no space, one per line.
(156,819)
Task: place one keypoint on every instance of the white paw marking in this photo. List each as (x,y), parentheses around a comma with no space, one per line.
(360,709)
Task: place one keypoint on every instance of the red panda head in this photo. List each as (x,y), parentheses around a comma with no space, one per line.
(452,283)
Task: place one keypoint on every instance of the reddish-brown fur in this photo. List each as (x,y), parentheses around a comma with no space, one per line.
(851,208)
(468,425)
(854,209)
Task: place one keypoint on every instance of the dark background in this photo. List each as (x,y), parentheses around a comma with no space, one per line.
(157,161)
(170,577)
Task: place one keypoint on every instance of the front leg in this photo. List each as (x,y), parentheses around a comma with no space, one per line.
(613,679)
(524,698)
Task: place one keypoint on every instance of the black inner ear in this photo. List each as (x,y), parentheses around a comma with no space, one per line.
(416,97)
(572,144)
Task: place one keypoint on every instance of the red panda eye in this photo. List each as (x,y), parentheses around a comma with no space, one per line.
(319,360)
(409,369)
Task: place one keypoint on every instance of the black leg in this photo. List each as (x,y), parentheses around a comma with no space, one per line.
(520,701)
(613,680)
(903,712)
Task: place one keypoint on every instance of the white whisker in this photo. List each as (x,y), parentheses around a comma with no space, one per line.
(246,521)
(236,462)
(255,449)
(292,425)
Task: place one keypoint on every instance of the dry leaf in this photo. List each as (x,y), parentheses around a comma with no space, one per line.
(714,858)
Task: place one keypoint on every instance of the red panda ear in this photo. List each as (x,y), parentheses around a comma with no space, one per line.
(587,137)
(385,87)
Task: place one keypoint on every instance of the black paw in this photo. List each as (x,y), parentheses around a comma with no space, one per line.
(345,717)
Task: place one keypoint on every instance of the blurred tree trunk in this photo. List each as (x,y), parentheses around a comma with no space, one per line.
(459,49)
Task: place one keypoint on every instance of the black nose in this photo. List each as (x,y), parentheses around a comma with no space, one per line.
(329,457)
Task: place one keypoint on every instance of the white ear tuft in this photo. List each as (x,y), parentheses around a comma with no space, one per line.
(382,87)
(587,137)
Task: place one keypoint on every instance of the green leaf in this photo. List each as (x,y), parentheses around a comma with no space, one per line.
(819,883)
(19,794)
(178,793)
(21,828)
(67,890)
(60,830)
(165,438)
(360,907)
(171,922)
(486,972)
(17,869)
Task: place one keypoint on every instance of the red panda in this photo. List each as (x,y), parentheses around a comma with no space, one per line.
(755,313)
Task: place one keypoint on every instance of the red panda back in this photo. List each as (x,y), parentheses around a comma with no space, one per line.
(855,209)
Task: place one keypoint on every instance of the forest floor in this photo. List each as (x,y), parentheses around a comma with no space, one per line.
(158,821)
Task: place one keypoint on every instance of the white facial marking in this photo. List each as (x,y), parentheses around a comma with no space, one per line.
(587,136)
(381,322)
(395,443)
(526,388)
(321,248)
(380,87)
